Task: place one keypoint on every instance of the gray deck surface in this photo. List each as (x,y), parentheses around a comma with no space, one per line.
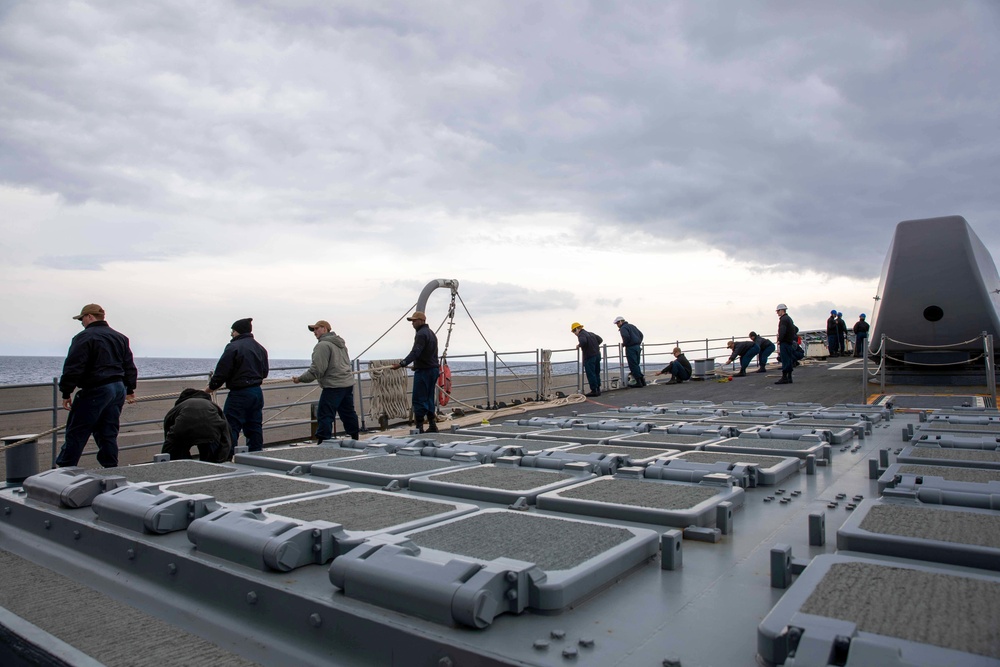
(952,473)
(307,454)
(638,493)
(107,630)
(248,488)
(731,457)
(361,510)
(894,602)
(552,544)
(954,454)
(930,523)
(703,613)
(507,478)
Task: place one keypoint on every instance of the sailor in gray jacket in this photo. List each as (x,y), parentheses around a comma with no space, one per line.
(331,367)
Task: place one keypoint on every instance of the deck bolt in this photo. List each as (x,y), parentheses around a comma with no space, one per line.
(251,598)
(586,642)
(47,524)
(76,534)
(672,662)
(315,620)
(130,554)
(540,645)
(511,576)
(557,634)
(569,653)
(445,662)
(511,594)
(171,568)
(6,510)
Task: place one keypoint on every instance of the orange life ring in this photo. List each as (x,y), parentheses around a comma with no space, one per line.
(444,384)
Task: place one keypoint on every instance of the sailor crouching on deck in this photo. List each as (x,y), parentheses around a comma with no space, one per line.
(242,368)
(590,350)
(745,351)
(331,367)
(679,369)
(100,363)
(196,421)
(424,357)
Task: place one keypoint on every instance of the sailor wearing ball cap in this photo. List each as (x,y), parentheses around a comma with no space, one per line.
(787,343)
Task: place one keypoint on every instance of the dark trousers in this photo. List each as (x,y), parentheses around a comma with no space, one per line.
(95,411)
(592,367)
(207,451)
(764,354)
(424,381)
(787,358)
(244,411)
(748,357)
(859,345)
(336,401)
(634,367)
(678,372)
(833,343)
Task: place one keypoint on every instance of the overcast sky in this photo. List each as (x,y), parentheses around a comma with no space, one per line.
(684,164)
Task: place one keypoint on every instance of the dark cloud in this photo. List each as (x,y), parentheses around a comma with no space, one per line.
(790,135)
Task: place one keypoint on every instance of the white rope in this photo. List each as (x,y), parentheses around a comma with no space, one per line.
(935,347)
(388,387)
(950,363)
(546,390)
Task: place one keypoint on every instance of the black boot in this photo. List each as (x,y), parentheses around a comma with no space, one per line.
(741,374)
(432,426)
(419,423)
(784,378)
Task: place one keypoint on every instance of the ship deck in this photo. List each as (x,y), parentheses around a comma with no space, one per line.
(83,589)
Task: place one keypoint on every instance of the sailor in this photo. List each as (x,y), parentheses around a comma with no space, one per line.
(832,334)
(590,349)
(787,333)
(679,369)
(100,363)
(331,367)
(196,421)
(745,350)
(766,349)
(424,357)
(841,335)
(632,342)
(242,368)
(860,335)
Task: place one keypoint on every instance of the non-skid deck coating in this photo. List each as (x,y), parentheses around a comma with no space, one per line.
(552,544)
(767,443)
(954,454)
(446,438)
(933,524)
(954,427)
(658,439)
(309,454)
(506,478)
(107,630)
(248,488)
(731,457)
(361,510)
(165,471)
(394,465)
(636,493)
(505,429)
(633,452)
(951,473)
(902,401)
(893,602)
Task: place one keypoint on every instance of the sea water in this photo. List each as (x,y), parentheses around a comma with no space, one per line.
(41,370)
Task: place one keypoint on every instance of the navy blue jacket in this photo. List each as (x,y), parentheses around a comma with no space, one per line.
(425,349)
(243,364)
(630,335)
(590,344)
(98,355)
(787,331)
(741,348)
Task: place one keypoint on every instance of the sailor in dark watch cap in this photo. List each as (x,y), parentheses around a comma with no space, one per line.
(100,363)
(242,368)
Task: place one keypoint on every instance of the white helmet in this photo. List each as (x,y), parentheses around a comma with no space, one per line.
(618,319)
(780,306)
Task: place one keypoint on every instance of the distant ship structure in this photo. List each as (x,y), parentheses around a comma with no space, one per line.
(938,295)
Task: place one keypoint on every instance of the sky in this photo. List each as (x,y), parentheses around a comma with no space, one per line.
(686,165)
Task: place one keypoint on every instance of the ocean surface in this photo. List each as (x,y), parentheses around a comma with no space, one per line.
(39,370)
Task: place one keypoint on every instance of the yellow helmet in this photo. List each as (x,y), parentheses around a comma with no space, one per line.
(575,326)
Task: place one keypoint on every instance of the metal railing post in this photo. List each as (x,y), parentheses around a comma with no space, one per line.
(864,370)
(538,374)
(991,378)
(356,364)
(883,364)
(55,417)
